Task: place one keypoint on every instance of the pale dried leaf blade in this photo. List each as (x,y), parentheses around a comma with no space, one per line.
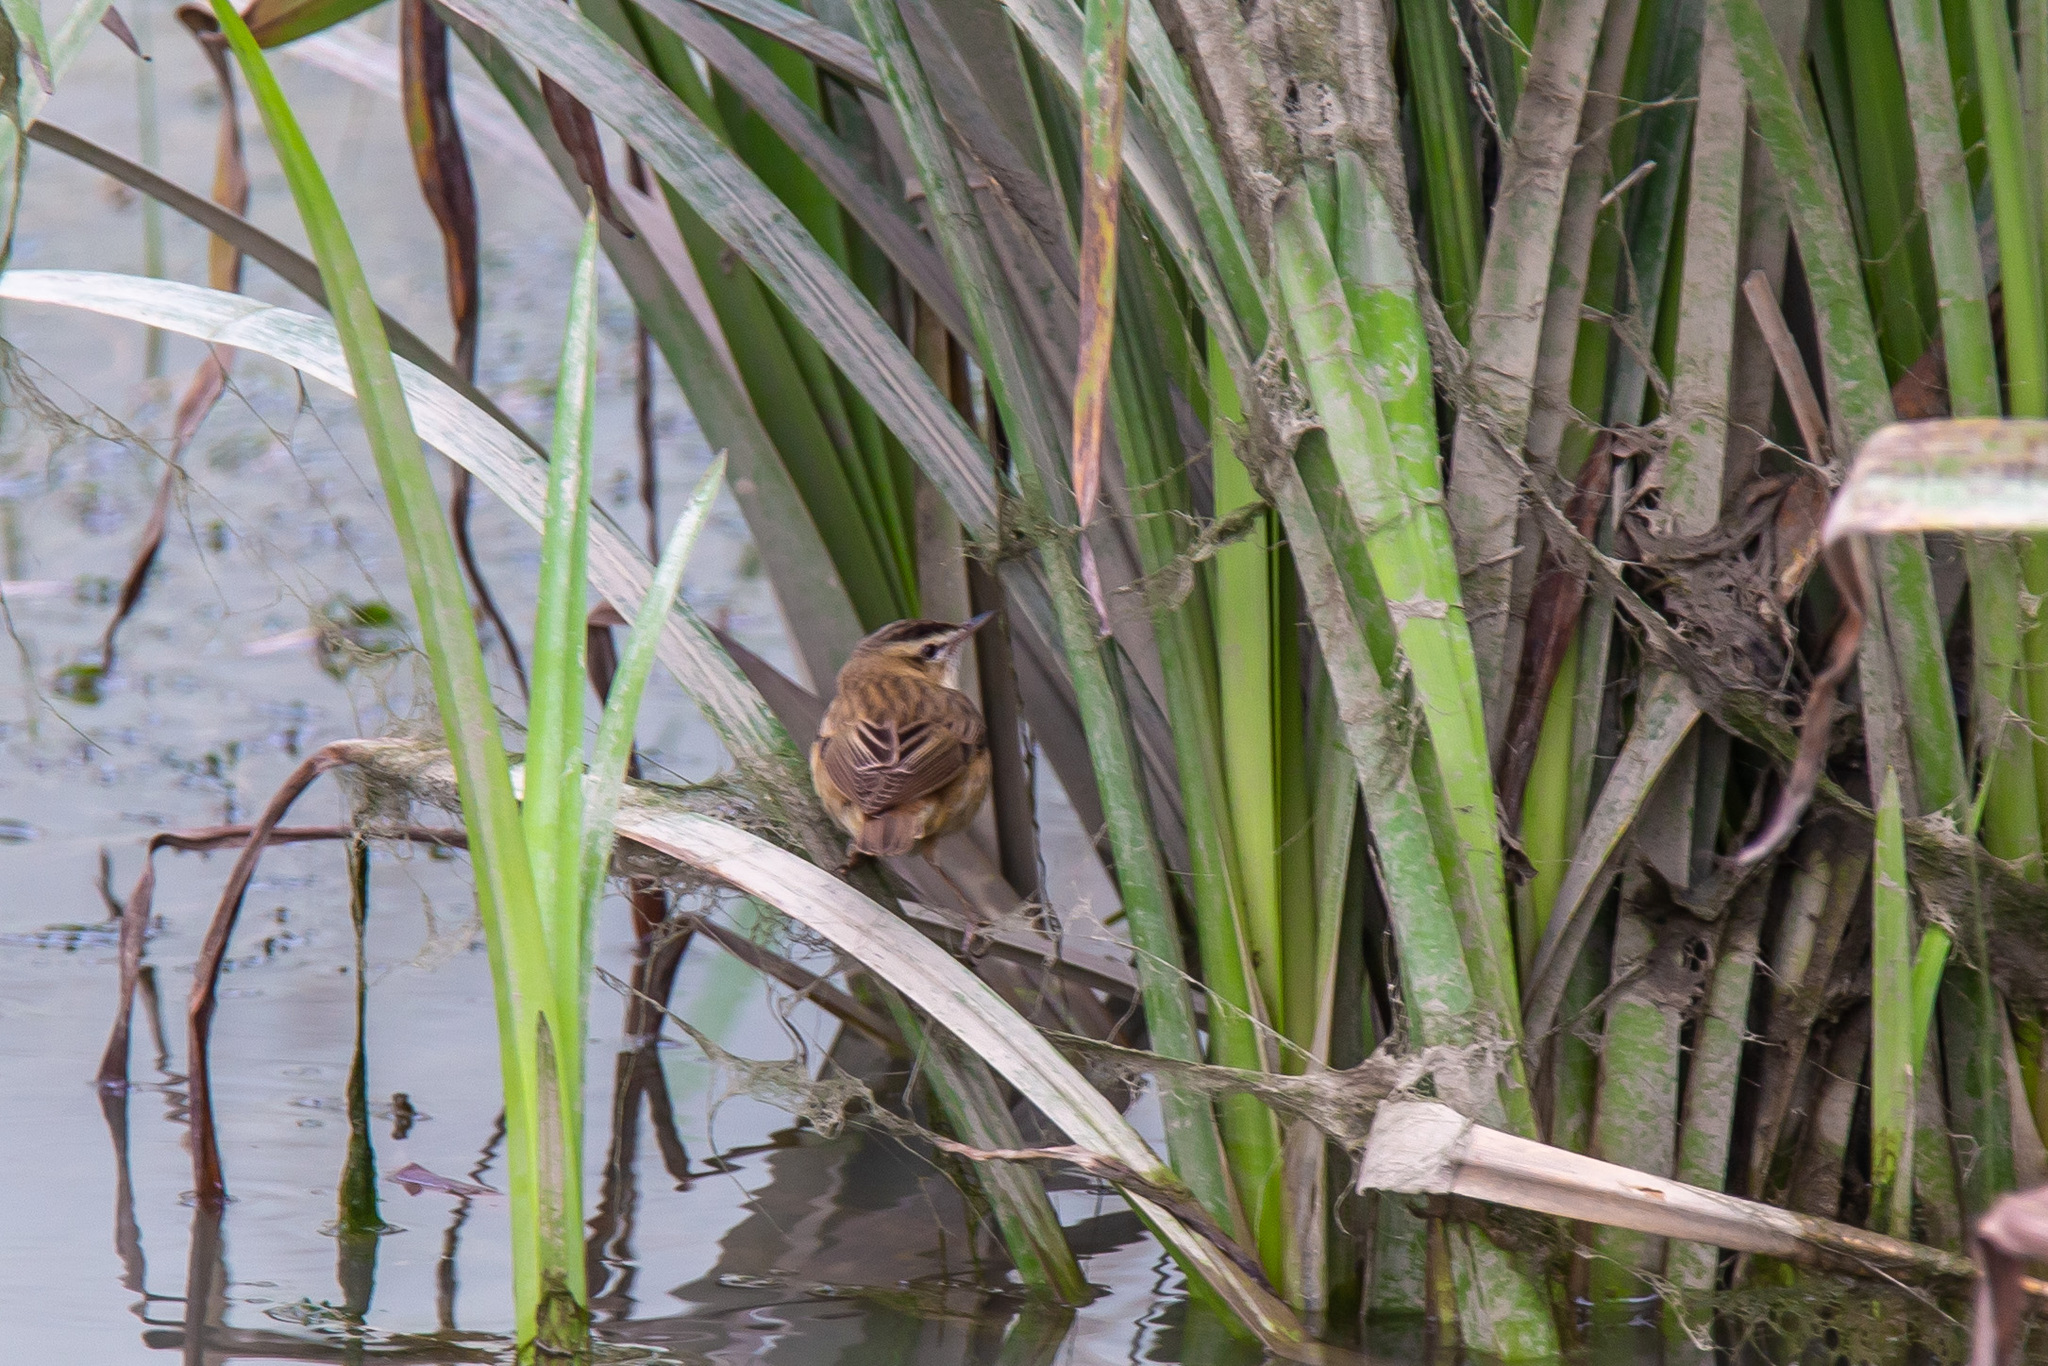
(1966,474)
(1425,1147)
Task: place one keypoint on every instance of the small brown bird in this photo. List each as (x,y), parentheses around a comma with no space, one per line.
(902,756)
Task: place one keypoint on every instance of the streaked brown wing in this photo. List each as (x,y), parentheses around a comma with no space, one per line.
(884,762)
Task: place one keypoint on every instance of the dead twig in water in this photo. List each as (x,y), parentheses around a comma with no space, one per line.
(136,912)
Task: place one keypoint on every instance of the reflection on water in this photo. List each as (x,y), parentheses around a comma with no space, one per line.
(851,1250)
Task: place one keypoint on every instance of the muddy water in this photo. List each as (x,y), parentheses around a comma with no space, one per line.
(721,1232)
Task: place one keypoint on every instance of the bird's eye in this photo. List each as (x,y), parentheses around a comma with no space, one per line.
(931,651)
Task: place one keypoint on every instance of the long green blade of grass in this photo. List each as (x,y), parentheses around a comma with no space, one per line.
(2016,199)
(505,895)
(553,805)
(613,750)
(1160,496)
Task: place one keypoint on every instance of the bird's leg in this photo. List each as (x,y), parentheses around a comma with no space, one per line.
(854,859)
(974,945)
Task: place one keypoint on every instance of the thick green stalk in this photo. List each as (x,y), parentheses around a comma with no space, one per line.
(2017,197)
(1502,1309)
(1635,1121)
(2011,827)
(1691,473)
(1894,1031)
(1244,659)
(1637,1112)
(2030,30)
(1485,493)
(1457,964)
(1362,351)
(2016,207)
(1977,1086)
(1501,1306)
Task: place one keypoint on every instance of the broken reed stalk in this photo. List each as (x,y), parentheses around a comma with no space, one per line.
(207,1185)
(1424,1148)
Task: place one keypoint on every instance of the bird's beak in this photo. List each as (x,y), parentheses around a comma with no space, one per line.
(964,632)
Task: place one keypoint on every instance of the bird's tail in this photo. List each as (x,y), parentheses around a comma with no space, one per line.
(888,835)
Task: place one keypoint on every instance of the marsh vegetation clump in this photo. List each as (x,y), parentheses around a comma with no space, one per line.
(1433,476)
